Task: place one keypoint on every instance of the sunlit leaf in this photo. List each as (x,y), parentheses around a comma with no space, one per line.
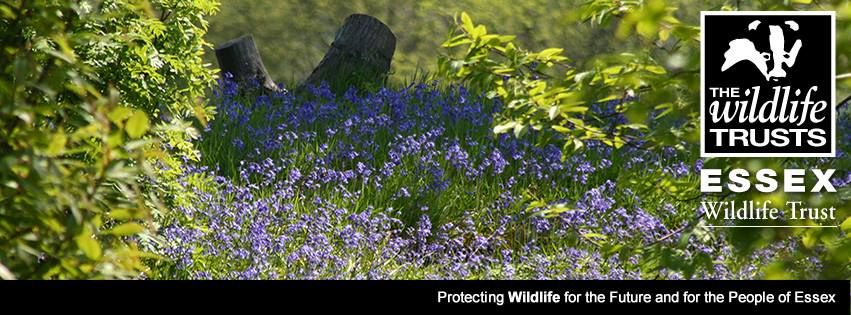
(86,242)
(137,125)
(127,229)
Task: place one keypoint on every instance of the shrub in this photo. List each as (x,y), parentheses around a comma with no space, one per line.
(84,84)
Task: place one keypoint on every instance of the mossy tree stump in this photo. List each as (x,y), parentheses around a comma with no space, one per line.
(240,58)
(360,55)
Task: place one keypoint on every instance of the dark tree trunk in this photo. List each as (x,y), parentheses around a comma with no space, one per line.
(240,58)
(360,55)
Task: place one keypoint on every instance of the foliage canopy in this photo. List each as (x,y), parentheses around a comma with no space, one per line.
(90,92)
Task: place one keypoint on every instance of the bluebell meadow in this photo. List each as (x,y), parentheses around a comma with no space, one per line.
(410,183)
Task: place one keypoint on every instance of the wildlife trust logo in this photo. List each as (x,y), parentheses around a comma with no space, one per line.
(744,49)
(767,84)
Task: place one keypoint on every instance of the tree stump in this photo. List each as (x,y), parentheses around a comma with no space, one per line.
(240,58)
(360,55)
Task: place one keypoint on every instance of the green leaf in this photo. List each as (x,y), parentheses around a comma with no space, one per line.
(578,144)
(846,225)
(553,112)
(549,52)
(467,22)
(138,125)
(809,240)
(119,114)
(479,31)
(573,109)
(457,41)
(595,235)
(778,271)
(685,32)
(121,214)
(503,128)
(507,38)
(520,130)
(57,144)
(87,244)
(561,129)
(647,28)
(127,229)
(655,69)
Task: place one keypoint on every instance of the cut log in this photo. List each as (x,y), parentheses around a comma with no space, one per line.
(360,55)
(240,58)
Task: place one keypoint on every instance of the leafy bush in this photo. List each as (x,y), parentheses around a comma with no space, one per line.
(542,91)
(83,85)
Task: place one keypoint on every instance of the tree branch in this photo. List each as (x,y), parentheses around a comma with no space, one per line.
(844,101)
